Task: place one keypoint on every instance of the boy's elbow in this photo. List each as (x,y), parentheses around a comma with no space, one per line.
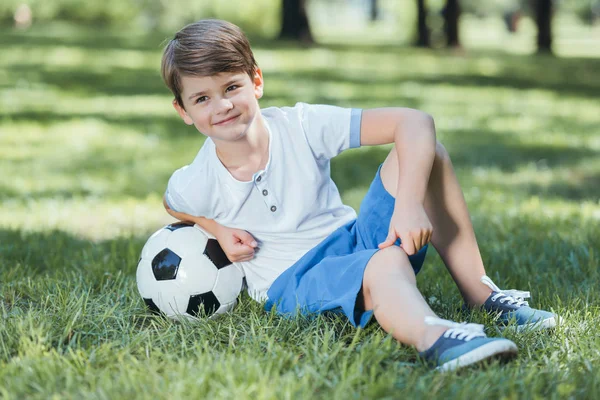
(168,209)
(428,125)
(427,120)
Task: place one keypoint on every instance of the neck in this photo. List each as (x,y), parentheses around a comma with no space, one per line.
(250,152)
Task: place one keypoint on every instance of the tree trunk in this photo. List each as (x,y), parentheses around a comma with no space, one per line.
(543,19)
(374,10)
(451,17)
(422,29)
(294,21)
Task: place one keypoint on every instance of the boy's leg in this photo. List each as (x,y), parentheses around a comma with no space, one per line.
(453,234)
(390,290)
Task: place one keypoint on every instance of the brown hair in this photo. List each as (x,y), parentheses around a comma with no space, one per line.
(205,48)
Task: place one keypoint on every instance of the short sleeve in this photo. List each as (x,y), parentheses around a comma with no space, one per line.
(330,129)
(186,193)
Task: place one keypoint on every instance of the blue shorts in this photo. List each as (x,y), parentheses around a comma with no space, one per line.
(329,277)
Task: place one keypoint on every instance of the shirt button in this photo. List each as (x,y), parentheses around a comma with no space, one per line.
(259,179)
(265,192)
(273,208)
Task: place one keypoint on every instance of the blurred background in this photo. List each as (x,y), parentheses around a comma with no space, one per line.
(567,27)
(88,137)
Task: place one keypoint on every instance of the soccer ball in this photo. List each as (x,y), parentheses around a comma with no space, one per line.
(182,272)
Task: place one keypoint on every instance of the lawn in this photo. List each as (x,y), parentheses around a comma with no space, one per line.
(88,140)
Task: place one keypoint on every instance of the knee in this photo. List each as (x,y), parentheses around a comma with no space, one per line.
(391,261)
(441,154)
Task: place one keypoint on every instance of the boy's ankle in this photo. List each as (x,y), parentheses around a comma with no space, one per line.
(478,299)
(430,336)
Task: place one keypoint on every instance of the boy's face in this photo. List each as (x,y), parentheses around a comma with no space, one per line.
(221,106)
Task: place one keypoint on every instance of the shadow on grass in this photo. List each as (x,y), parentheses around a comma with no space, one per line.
(571,76)
(96,38)
(586,188)
(511,80)
(356,169)
(491,149)
(56,252)
(468,149)
(353,170)
(115,81)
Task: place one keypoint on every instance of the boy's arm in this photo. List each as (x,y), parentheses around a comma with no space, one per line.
(237,244)
(413,133)
(210,225)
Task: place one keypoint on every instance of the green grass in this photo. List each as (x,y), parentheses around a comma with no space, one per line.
(88,140)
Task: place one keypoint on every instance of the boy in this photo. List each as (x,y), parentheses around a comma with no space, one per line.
(261,185)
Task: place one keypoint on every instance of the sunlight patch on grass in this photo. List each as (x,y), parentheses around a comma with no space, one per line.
(93,218)
(55,101)
(86,156)
(75,56)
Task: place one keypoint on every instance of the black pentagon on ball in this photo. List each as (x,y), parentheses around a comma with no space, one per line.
(165,265)
(178,225)
(216,254)
(208,301)
(153,308)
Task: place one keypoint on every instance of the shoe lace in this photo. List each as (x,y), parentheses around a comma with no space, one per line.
(511,296)
(462,331)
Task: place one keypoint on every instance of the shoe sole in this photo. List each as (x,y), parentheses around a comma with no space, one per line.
(548,323)
(504,351)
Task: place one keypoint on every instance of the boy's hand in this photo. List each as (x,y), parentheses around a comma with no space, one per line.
(411,224)
(237,244)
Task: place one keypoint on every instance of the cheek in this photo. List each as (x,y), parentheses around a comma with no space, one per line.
(201,118)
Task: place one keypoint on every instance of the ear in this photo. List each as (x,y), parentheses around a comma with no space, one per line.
(259,83)
(182,113)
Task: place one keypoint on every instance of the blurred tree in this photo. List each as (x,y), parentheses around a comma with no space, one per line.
(423,36)
(511,18)
(543,19)
(294,21)
(373,10)
(451,13)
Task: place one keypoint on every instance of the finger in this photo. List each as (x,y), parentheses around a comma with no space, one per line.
(420,240)
(246,258)
(241,258)
(417,244)
(245,249)
(416,240)
(428,238)
(389,241)
(247,238)
(408,245)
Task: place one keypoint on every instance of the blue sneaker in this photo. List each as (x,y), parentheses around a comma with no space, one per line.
(464,344)
(510,305)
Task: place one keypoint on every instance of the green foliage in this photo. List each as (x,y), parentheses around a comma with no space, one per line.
(88,139)
(260,17)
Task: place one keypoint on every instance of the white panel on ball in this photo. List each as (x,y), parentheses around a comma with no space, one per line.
(155,243)
(196,274)
(226,307)
(172,302)
(146,282)
(229,283)
(185,240)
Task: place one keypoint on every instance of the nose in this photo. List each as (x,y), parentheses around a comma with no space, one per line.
(224,106)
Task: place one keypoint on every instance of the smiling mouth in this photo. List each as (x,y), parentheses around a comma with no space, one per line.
(225,122)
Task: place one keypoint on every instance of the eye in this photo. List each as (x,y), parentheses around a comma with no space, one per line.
(232,87)
(201,99)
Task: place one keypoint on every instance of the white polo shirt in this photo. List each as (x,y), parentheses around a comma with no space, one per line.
(291,205)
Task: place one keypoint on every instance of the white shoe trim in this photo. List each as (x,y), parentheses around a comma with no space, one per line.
(479,354)
(548,323)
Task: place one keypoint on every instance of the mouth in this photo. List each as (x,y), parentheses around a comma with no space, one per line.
(226,121)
